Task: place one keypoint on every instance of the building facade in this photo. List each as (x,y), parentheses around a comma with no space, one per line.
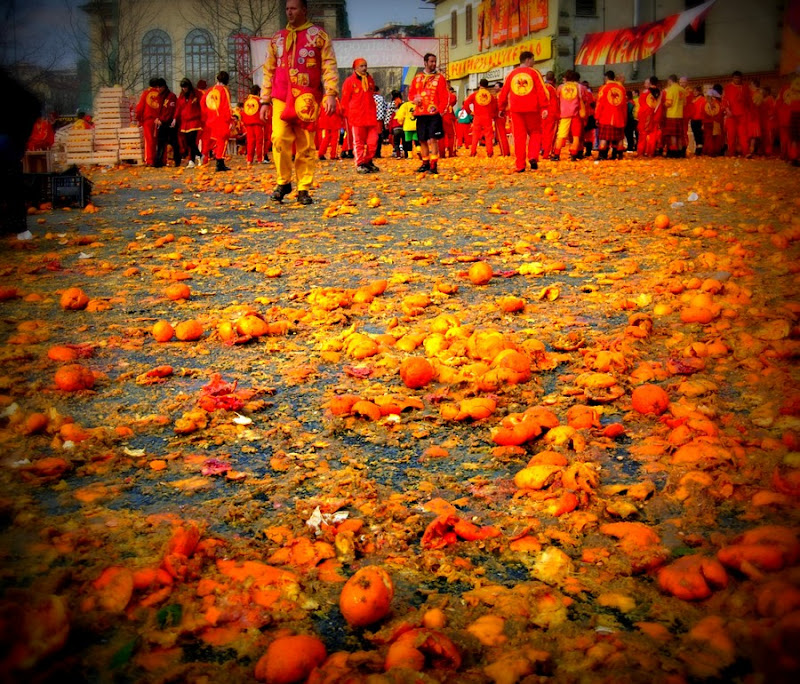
(131,41)
(734,35)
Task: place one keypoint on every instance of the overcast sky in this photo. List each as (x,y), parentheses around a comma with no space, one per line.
(42,34)
(366,16)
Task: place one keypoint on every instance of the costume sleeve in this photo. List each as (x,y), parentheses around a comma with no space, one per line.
(140,107)
(330,73)
(270,64)
(469,103)
(442,96)
(542,94)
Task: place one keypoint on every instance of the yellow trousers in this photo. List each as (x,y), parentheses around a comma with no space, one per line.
(288,138)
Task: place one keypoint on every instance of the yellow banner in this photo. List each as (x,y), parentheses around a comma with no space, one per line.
(542,49)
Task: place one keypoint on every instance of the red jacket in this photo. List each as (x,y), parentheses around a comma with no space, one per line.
(612,105)
(250,111)
(217,110)
(431,89)
(358,101)
(42,135)
(524,91)
(169,109)
(148,106)
(189,112)
(736,100)
(482,104)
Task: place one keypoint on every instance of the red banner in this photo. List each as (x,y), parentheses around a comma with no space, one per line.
(638,42)
(503,21)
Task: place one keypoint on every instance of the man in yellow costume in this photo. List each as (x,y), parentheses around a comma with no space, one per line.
(299,74)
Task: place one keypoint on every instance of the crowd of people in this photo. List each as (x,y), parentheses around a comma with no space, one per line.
(301,115)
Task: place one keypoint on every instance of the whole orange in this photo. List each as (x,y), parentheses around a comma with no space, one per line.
(661,221)
(188,331)
(480,273)
(649,398)
(74,377)
(416,372)
(163,331)
(367,596)
(178,291)
(290,659)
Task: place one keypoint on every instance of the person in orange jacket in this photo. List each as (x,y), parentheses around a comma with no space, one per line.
(525,98)
(358,103)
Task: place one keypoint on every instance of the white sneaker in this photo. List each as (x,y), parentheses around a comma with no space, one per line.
(198,160)
(190,165)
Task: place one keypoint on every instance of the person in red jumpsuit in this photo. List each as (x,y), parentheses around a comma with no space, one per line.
(358,103)
(254,126)
(218,118)
(612,114)
(147,111)
(550,122)
(483,106)
(525,97)
(501,125)
(737,105)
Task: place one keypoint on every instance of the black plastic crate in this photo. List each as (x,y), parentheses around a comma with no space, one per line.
(70,191)
(38,188)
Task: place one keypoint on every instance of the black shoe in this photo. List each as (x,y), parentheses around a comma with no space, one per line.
(363,168)
(534,164)
(371,167)
(426,166)
(221,165)
(303,197)
(434,169)
(321,157)
(280,192)
(554,157)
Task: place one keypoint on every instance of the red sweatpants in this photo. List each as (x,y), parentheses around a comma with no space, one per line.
(255,142)
(482,128)
(527,129)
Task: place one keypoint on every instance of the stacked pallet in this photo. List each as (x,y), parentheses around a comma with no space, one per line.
(112,111)
(79,145)
(131,145)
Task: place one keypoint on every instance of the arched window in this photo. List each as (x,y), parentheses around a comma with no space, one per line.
(200,58)
(239,64)
(156,56)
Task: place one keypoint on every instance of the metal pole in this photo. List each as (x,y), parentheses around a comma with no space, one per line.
(636,12)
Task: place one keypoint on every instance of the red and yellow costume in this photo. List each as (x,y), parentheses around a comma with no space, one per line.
(254,127)
(650,106)
(432,91)
(611,113)
(712,126)
(572,112)
(525,97)
(147,110)
(218,116)
(300,66)
(483,106)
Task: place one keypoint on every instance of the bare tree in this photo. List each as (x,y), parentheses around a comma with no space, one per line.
(225,19)
(111,40)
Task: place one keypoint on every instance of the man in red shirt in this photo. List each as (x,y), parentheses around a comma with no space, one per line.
(358,103)
(736,103)
(611,113)
(484,112)
(525,97)
(430,96)
(147,111)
